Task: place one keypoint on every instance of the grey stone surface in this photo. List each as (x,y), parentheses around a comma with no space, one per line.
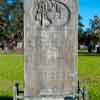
(45,98)
(50,46)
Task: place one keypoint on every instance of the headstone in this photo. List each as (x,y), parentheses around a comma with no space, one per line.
(50,42)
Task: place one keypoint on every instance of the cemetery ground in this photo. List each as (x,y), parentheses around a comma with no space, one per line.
(11,71)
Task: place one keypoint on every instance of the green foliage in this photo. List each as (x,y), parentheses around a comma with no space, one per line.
(81,35)
(80,25)
(13,19)
(93,32)
(95,28)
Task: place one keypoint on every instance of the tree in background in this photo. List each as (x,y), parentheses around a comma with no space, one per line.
(95,29)
(11,16)
(81,35)
(93,33)
(80,25)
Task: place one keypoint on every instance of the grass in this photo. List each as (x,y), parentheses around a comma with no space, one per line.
(89,73)
(11,71)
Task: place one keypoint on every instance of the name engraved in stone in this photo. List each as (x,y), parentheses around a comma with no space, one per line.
(47,40)
(49,75)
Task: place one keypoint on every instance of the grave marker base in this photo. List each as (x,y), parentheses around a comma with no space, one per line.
(80,94)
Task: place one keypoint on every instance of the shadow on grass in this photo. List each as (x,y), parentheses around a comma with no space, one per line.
(6,98)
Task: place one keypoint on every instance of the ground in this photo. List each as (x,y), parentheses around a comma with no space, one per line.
(11,71)
(89,74)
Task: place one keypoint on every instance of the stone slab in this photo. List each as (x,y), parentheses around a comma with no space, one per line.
(50,46)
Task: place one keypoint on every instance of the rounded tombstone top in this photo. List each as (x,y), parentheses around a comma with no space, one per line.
(50,13)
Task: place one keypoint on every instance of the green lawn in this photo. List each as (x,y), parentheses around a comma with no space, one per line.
(89,73)
(11,71)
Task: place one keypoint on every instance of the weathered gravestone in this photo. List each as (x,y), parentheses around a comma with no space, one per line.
(50,47)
